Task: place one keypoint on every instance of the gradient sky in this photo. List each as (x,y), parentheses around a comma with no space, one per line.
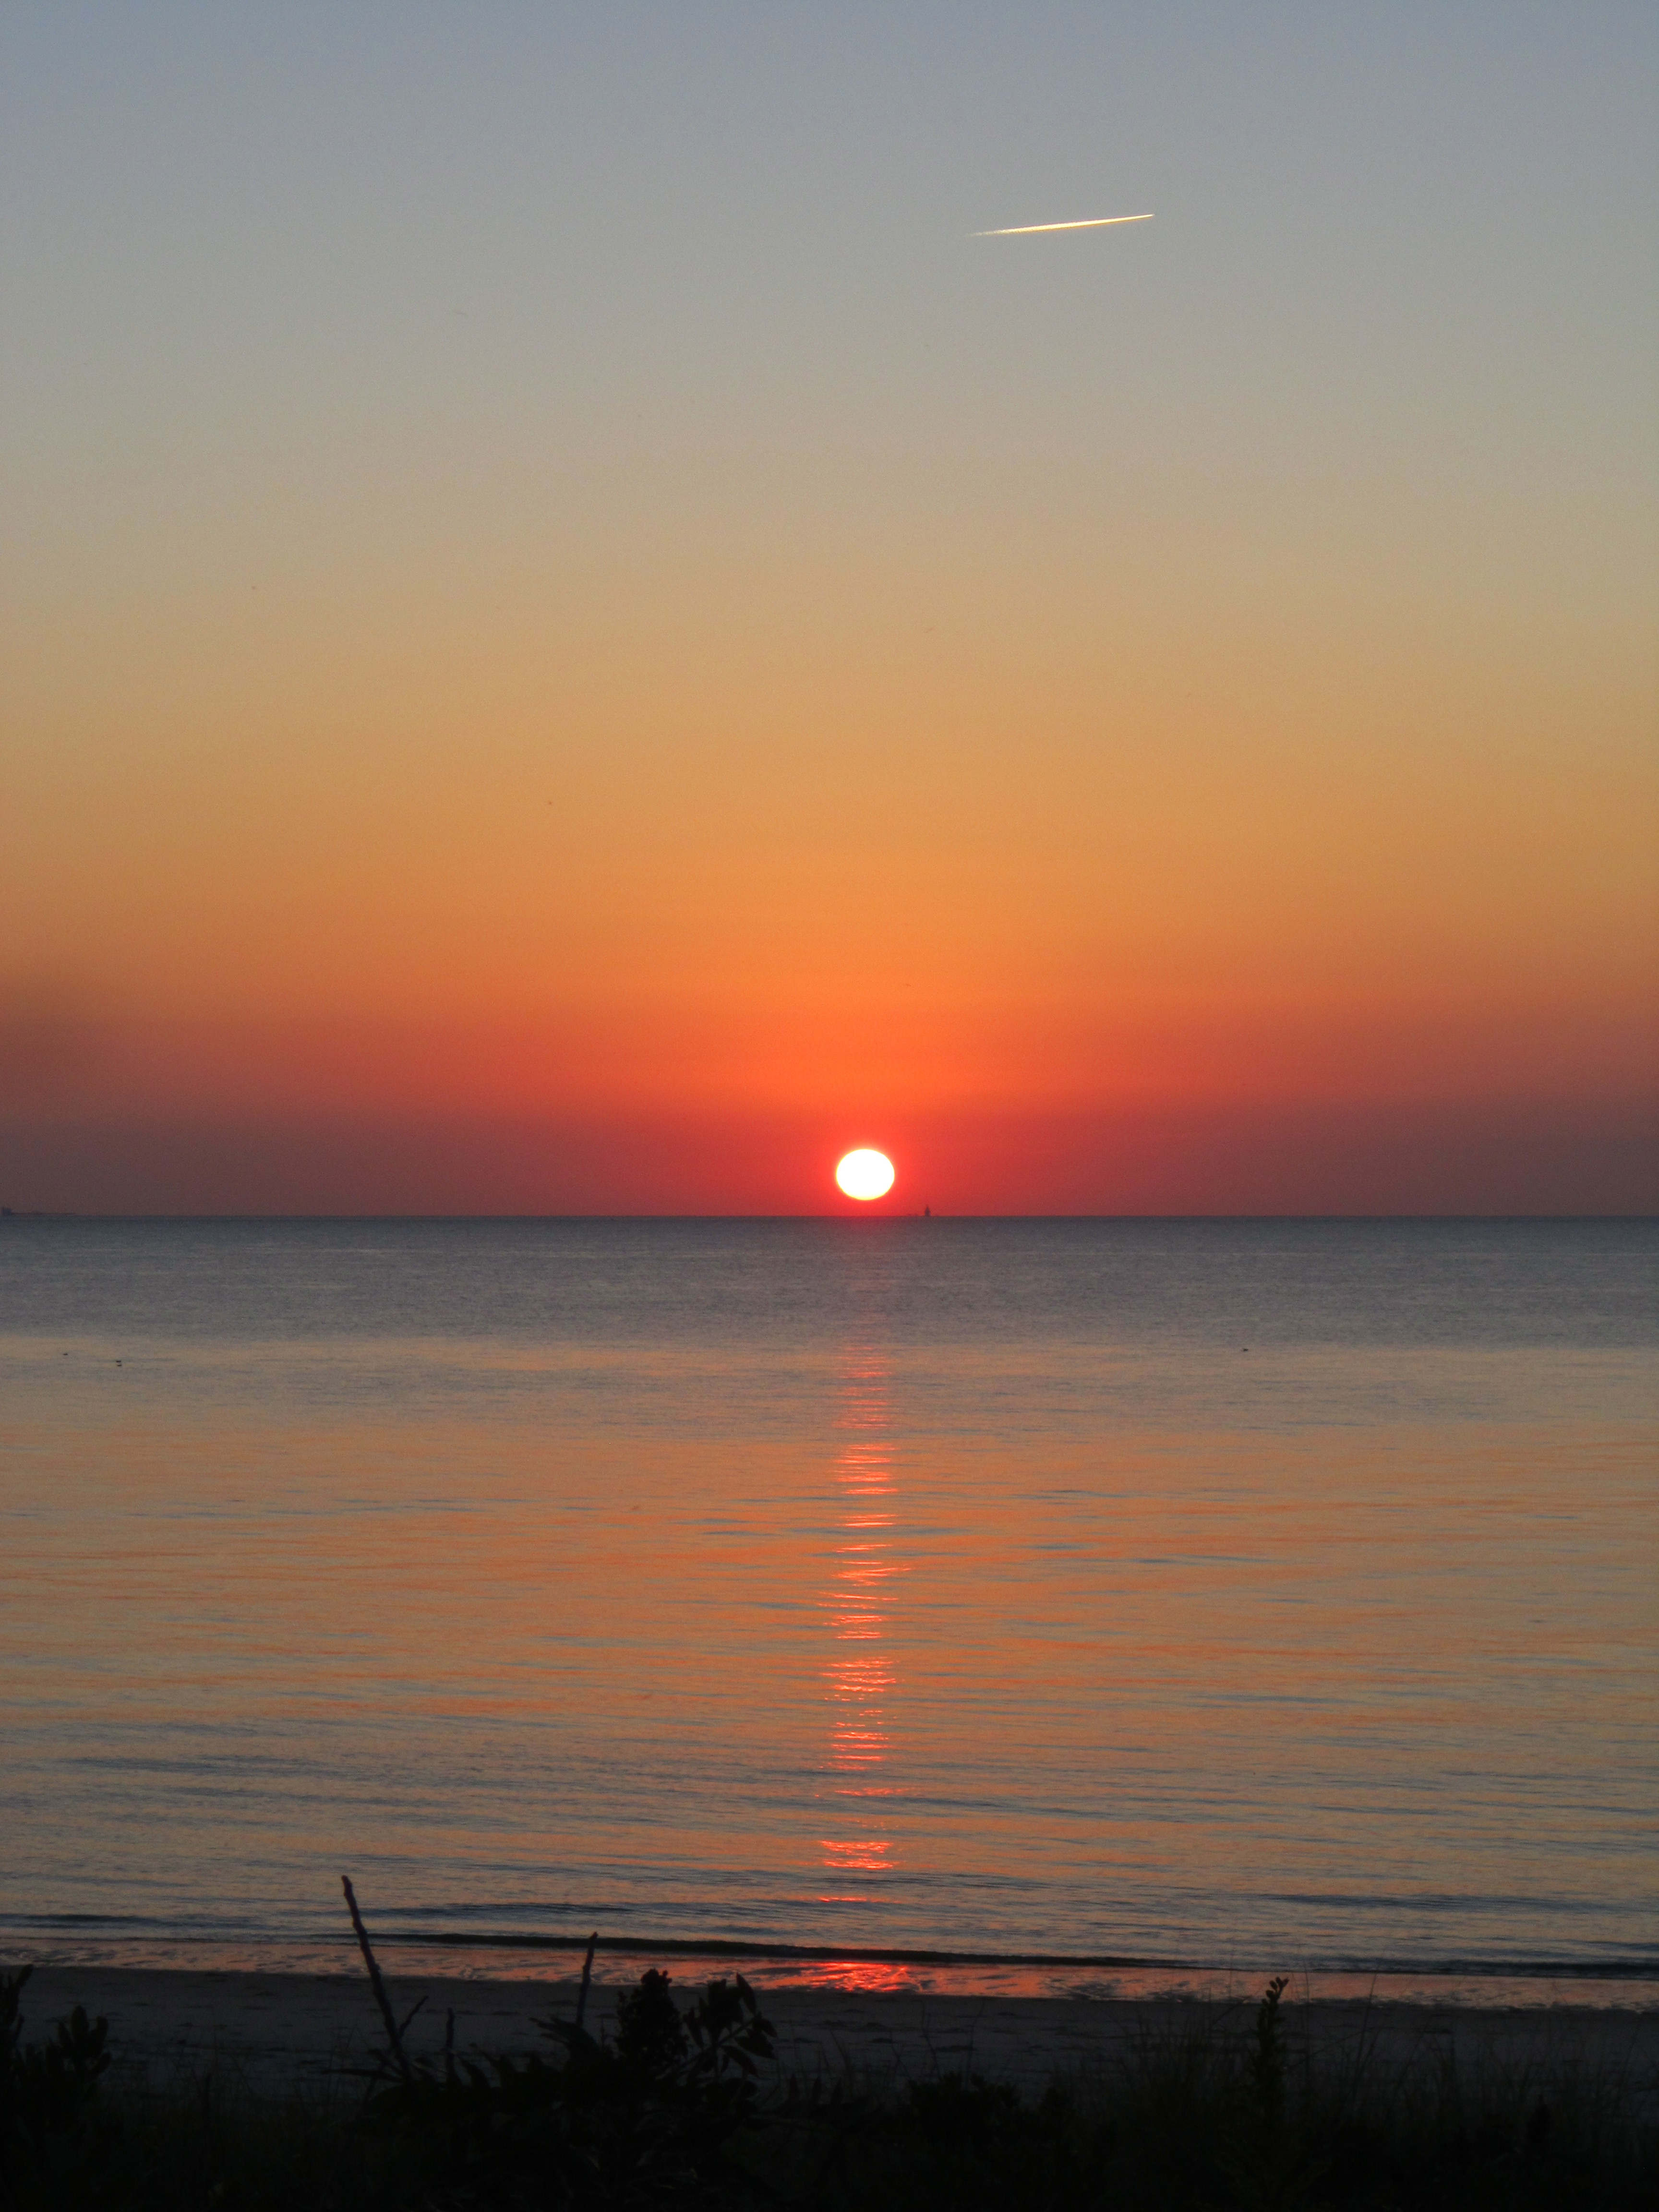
(575,642)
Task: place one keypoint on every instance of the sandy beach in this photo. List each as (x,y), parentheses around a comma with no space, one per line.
(274,2033)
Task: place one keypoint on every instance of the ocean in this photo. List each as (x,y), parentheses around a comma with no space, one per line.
(1127,1598)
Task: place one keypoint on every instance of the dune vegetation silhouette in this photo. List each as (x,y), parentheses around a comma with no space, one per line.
(683,2103)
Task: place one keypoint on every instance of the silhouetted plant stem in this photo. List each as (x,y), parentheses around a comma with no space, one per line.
(376,1983)
(587,1977)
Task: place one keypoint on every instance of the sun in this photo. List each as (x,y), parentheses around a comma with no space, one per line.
(864,1174)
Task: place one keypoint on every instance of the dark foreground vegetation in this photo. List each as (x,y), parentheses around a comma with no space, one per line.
(682,2106)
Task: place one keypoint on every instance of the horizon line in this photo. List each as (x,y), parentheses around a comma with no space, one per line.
(866,1214)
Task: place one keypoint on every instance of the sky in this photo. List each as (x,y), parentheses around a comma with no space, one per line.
(577,641)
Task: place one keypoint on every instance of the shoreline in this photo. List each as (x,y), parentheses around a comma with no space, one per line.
(548,1960)
(276,2032)
(692,1946)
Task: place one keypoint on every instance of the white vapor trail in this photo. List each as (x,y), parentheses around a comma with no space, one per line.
(1093,222)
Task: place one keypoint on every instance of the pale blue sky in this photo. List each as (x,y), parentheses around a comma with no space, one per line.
(1393,245)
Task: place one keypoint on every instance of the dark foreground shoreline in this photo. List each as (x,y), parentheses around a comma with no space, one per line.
(273,2032)
(244,2090)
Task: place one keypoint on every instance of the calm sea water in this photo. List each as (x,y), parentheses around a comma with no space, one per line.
(1255,1593)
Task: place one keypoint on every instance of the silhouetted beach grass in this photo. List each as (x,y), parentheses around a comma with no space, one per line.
(682,2102)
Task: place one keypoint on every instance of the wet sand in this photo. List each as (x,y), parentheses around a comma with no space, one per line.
(276,2032)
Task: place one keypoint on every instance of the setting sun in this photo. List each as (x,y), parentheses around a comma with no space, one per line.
(865,1174)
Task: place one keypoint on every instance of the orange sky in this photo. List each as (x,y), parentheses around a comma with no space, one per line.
(472,673)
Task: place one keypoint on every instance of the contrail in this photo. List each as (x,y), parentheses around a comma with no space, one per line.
(1093,222)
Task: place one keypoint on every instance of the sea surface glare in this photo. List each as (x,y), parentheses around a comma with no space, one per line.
(1246,1594)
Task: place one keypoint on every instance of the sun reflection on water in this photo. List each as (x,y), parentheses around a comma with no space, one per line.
(858,1679)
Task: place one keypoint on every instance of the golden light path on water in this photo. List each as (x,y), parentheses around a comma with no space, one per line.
(859,1678)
